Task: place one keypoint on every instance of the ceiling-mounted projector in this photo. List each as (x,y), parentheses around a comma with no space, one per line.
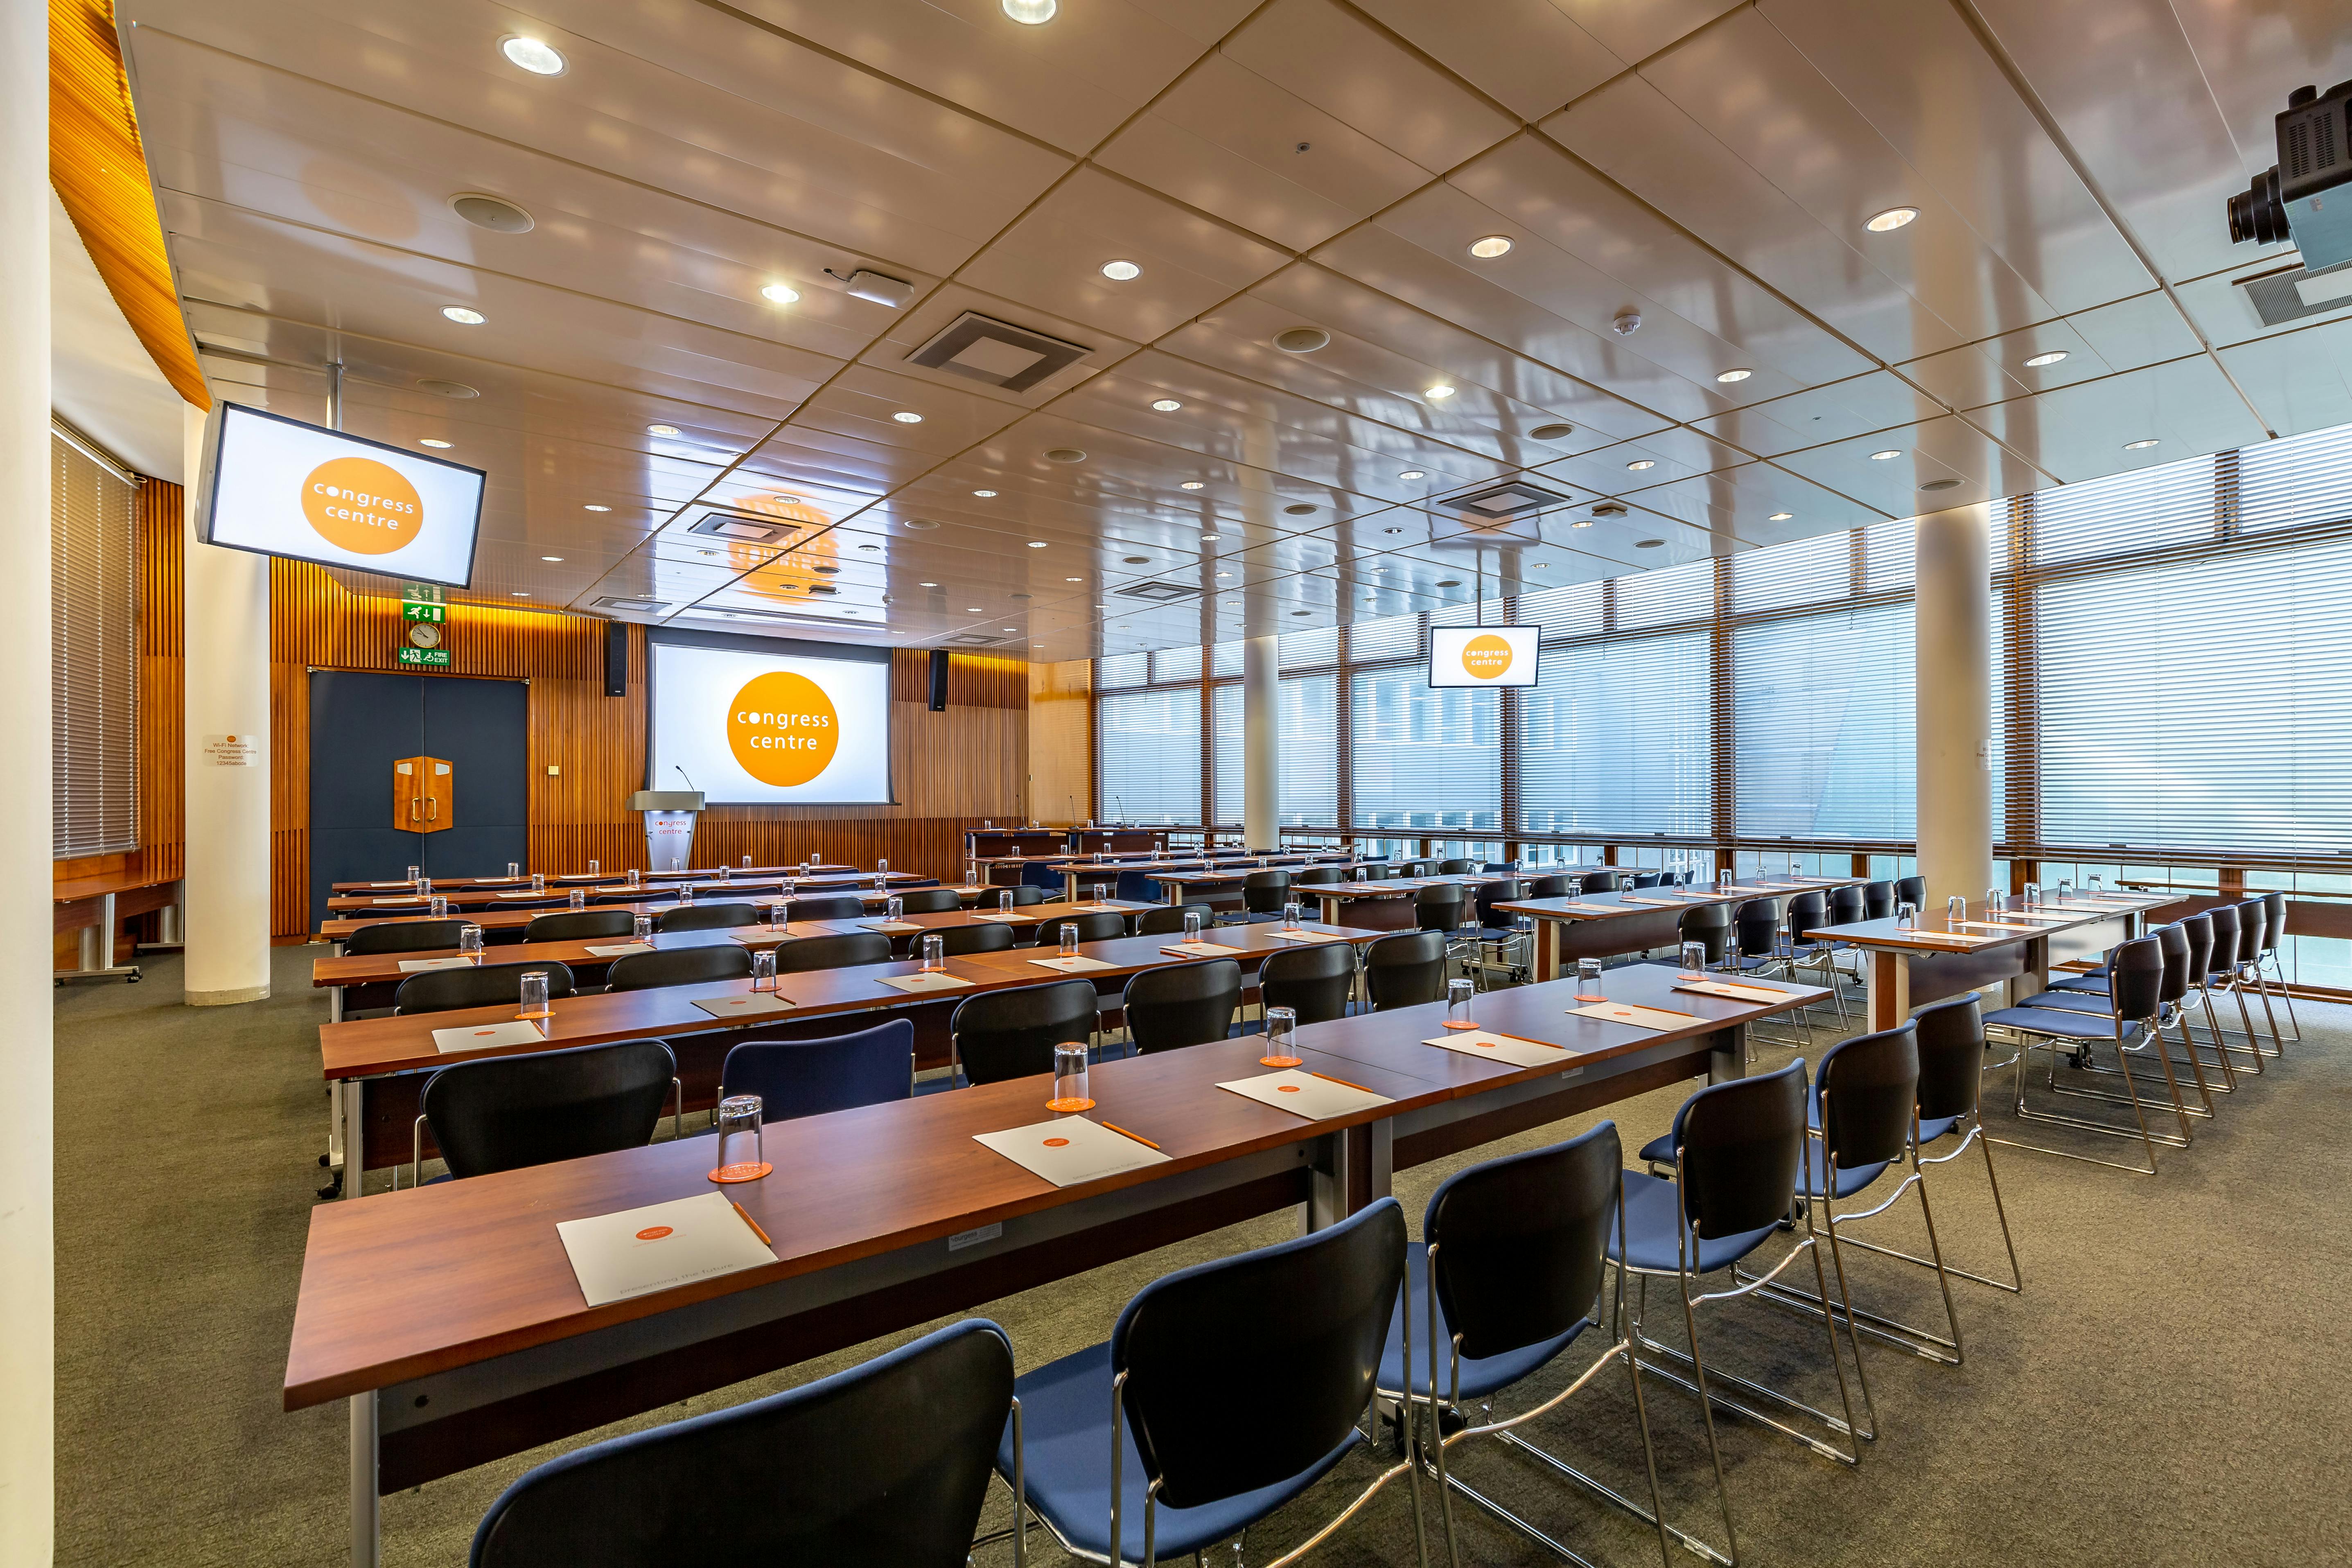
(2306,196)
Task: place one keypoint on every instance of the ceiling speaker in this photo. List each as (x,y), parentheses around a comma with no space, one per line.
(493,213)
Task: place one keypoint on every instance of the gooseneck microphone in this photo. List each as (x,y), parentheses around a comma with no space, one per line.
(681,773)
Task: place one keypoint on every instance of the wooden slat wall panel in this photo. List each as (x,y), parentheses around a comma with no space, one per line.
(1061,739)
(163,799)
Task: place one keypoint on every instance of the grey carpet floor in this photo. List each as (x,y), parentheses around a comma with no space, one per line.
(2171,1388)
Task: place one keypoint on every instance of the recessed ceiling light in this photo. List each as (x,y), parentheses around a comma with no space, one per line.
(782,293)
(908,416)
(518,593)
(593,506)
(1121,271)
(1490,247)
(1412,474)
(1449,582)
(1032,13)
(462,316)
(1166,405)
(869,547)
(2038,361)
(985,495)
(533,56)
(1539,566)
(1225,573)
(429,441)
(1883,457)
(1012,629)
(1379,569)
(1647,543)
(1642,465)
(1891,219)
(1731,375)
(1581,522)
(1036,544)
(2138,446)
(1780,517)
(1074,579)
(926,585)
(1438,394)
(971,609)
(1392,531)
(661,429)
(551,558)
(1211,538)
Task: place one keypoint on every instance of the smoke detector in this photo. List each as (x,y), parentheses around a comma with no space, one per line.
(1608,508)
(493,213)
(1627,324)
(1301,339)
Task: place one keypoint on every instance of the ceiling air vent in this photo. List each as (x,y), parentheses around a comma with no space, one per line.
(969,641)
(745,529)
(1507,500)
(2290,293)
(823,588)
(1158,593)
(633,607)
(982,349)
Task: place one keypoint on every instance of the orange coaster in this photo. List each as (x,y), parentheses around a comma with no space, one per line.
(741,1172)
(1279,1061)
(1066,1106)
(1587,996)
(1450,1024)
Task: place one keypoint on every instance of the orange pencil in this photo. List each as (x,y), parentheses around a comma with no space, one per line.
(1125,1133)
(753,1223)
(1343,1082)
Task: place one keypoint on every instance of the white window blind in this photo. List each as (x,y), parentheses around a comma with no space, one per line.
(1615,740)
(94,657)
(1822,727)
(1226,762)
(1423,757)
(1150,753)
(1307,734)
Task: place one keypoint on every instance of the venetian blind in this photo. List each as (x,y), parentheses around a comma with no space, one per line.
(1149,754)
(94,657)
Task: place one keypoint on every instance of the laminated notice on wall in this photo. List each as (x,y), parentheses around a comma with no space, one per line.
(232,750)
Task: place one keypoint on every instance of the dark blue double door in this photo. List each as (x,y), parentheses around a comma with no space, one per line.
(362,724)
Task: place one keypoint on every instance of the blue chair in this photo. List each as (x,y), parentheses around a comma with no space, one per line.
(1049,878)
(1138,888)
(1510,1276)
(808,1077)
(1225,1390)
(883,1466)
(2184,953)
(2136,986)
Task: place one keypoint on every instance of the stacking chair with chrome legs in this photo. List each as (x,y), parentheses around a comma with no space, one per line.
(2136,984)
(2274,929)
(2255,937)
(2223,977)
(1800,955)
(2187,946)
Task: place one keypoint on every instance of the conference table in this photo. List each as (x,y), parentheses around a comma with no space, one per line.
(375,1068)
(492,895)
(496,918)
(1389,904)
(1639,919)
(1936,956)
(493,1349)
(569,879)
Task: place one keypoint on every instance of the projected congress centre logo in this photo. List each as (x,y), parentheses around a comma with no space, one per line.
(363,506)
(783,729)
(1487,658)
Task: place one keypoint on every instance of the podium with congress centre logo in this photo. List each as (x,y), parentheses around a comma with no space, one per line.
(669,826)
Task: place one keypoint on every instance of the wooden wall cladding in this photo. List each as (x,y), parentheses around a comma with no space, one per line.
(1061,740)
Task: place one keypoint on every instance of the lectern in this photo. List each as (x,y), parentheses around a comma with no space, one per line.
(669,826)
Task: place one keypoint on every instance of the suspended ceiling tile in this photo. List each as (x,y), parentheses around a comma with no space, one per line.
(2079,433)
(865,403)
(1529,55)
(912,329)
(1995,371)
(1759,504)
(1930,452)
(2147,329)
(1826,413)
(2251,57)
(1636,29)
(1668,455)
(2301,381)
(2221,309)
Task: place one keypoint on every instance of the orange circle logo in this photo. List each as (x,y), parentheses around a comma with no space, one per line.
(1487,656)
(363,506)
(1058,1142)
(653,1232)
(1286,1088)
(783,729)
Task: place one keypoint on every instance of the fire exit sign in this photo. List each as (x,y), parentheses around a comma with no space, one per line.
(412,611)
(437,656)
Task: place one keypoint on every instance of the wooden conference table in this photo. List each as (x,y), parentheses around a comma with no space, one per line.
(337,929)
(1607,925)
(888,1215)
(569,879)
(1935,957)
(1388,905)
(491,896)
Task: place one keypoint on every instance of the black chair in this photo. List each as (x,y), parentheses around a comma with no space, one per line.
(1456,868)
(2271,969)
(1441,907)
(1130,1459)
(1911,891)
(1405,970)
(1810,912)
(2180,954)
(1265,892)
(1495,939)
(1168,920)
(408,936)
(1710,926)
(579,925)
(883,1466)
(706,917)
(1182,1004)
(1877,901)
(2136,984)
(677,966)
(1011,1034)
(1376,871)
(2256,937)
(1847,906)
(841,950)
(1549,888)
(1756,937)
(1025,895)
(929,902)
(808,1077)
(1509,1276)
(1648,879)
(475,986)
(837,908)
(2224,977)
(980,937)
(1100,926)
(502,1113)
(1597,883)
(1319,877)
(1315,982)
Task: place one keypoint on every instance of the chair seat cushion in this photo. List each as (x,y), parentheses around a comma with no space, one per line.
(1817,1174)
(2059,1022)
(2071,1001)
(1066,1443)
(1655,1228)
(1661,1149)
(1479,1378)
(2088,984)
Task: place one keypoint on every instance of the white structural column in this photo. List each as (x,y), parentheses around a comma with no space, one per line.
(1953,704)
(1261,759)
(27,1229)
(228,717)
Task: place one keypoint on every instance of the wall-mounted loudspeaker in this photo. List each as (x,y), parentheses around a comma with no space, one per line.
(938,680)
(616,658)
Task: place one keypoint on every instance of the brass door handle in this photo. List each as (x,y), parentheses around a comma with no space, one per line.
(434,815)
(413,812)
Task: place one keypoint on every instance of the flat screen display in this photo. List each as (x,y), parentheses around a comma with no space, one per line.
(1483,655)
(278,486)
(783,725)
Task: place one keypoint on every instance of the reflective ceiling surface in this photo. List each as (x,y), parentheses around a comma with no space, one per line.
(667,440)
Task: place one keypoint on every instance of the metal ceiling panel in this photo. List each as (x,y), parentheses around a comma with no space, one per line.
(2301,381)
(2079,432)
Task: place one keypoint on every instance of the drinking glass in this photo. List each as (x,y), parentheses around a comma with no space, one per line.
(894,910)
(1956,910)
(641,929)
(1723,883)
(935,953)
(469,941)
(1995,900)
(1457,1005)
(987,826)
(875,882)
(685,893)
(1005,902)
(673,864)
(804,868)
(763,969)
(881,868)
(2032,895)
(534,994)
(1588,980)
(723,873)
(438,907)
(539,881)
(1102,892)
(1694,960)
(633,880)
(1192,925)
(595,870)
(415,872)
(425,886)
(578,898)
(2065,890)
(747,862)
(790,883)
(1281,1038)
(1069,940)
(1070,1079)
(738,1118)
(2096,888)
(514,869)
(780,913)
(1906,916)
(1290,915)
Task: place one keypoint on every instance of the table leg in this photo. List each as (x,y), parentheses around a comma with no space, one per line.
(1547,960)
(2035,977)
(1728,1060)
(1352,1167)
(1332,909)
(334,1004)
(348,1107)
(367,1524)
(1889,989)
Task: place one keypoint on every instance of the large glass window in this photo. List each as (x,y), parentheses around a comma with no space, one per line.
(1822,724)
(1424,757)
(1615,740)
(1150,751)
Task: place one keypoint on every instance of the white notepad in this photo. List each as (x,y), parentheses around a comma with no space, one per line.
(1650,898)
(934,981)
(638,1251)
(417,900)
(419,965)
(1996,925)
(1304,1094)
(620,948)
(893,927)
(1492,1048)
(1001,915)
(480,1036)
(1304,936)
(1640,1018)
(1070,1150)
(582,876)
(1735,991)
(398,884)
(495,881)
(1202,950)
(1591,909)
(525,893)
(751,1004)
(1072,965)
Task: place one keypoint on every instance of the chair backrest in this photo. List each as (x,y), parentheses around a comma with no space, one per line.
(807,1078)
(982,936)
(2135,978)
(1100,926)
(579,925)
(2253,928)
(1308,1367)
(1846,906)
(1877,901)
(1440,908)
(1549,888)
(475,986)
(1025,895)
(1405,970)
(1741,1145)
(1648,878)
(707,917)
(1184,1005)
(1456,868)
(1807,912)
(2198,930)
(2274,903)
(1265,892)
(1375,871)
(1912,890)
(2173,947)
(840,950)
(1758,927)
(1597,883)
(1709,924)
(678,966)
(407,936)
(1169,917)
(2224,920)
(1312,980)
(838,907)
(886,1463)
(930,900)
(1318,876)
(1012,1033)
(1951,1045)
(1487,894)
(501,1113)
(1869,1089)
(1516,1243)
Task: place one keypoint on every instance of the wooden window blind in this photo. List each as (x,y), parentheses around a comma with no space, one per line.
(94,655)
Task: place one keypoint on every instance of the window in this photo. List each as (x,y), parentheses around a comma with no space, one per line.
(1822,724)
(1615,740)
(94,656)
(1424,757)
(1150,749)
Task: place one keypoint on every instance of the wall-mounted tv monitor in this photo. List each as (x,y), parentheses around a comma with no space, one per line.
(1483,655)
(752,720)
(280,487)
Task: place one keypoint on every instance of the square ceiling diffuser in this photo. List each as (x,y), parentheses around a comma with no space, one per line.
(1507,500)
(979,348)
